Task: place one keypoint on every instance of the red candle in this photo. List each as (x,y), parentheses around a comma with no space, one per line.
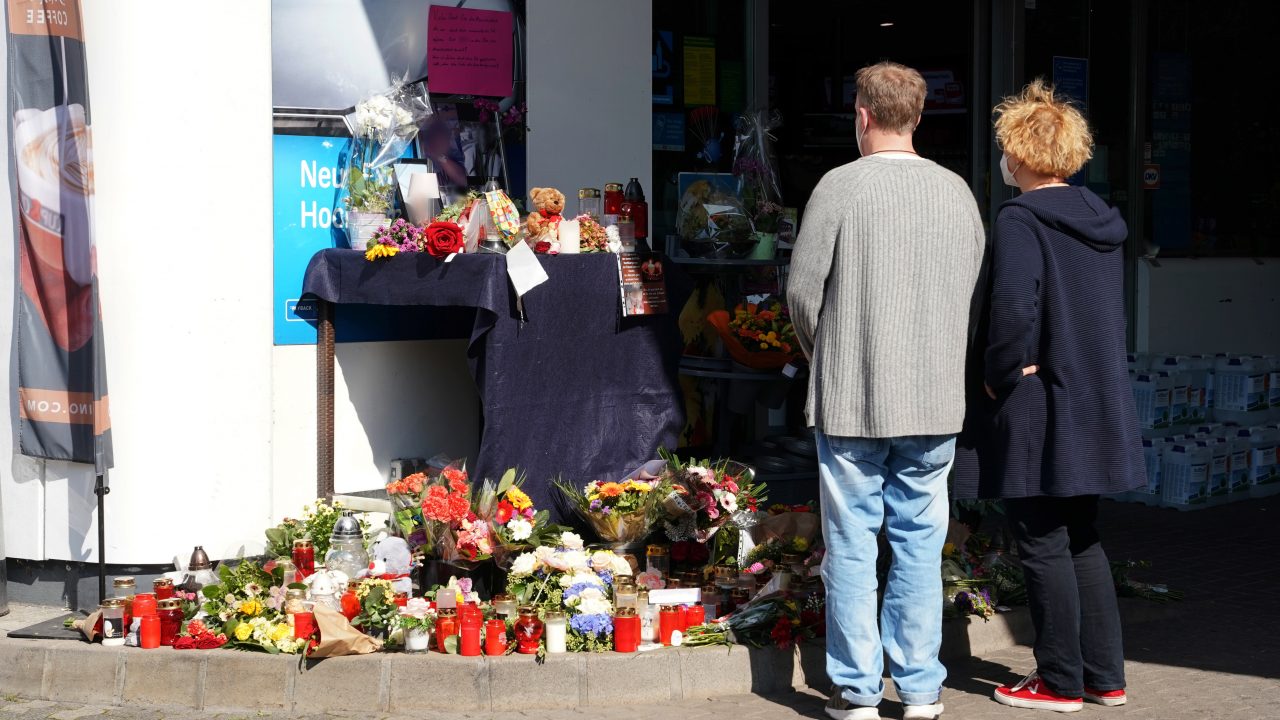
(402,599)
(528,631)
(612,198)
(626,631)
(163,587)
(170,614)
(469,636)
(144,604)
(446,627)
(694,615)
(149,632)
(495,637)
(304,559)
(668,623)
(304,625)
(350,603)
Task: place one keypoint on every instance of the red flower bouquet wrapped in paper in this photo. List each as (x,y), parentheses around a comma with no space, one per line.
(760,337)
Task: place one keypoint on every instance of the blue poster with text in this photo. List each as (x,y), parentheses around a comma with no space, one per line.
(308,177)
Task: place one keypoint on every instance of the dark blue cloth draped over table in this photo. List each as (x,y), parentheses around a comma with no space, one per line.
(573,389)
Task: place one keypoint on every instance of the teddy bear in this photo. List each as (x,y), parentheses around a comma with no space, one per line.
(543,223)
(391,561)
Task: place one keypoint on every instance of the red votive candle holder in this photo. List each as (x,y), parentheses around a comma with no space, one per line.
(163,588)
(304,625)
(668,622)
(149,632)
(495,637)
(694,615)
(626,630)
(469,636)
(169,610)
(446,627)
(144,604)
(401,599)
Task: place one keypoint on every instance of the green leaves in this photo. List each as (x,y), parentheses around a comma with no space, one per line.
(508,479)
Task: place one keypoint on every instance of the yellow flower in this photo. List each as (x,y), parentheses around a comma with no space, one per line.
(800,544)
(280,632)
(518,499)
(949,549)
(380,250)
(243,631)
(250,607)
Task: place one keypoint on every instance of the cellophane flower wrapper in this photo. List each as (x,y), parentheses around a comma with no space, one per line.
(708,215)
(630,523)
(382,126)
(754,160)
(706,496)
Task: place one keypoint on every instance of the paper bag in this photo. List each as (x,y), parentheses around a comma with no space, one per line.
(89,626)
(338,637)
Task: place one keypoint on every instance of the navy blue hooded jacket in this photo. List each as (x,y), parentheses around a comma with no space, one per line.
(1056,300)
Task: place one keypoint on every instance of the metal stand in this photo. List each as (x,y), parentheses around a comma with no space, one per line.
(324,400)
(100,489)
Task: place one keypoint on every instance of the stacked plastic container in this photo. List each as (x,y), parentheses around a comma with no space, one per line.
(1210,428)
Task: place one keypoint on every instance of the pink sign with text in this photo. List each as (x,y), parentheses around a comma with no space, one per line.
(469,51)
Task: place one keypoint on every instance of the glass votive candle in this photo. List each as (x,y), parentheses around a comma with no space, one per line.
(495,637)
(626,630)
(144,605)
(504,605)
(528,630)
(163,588)
(288,572)
(711,598)
(469,635)
(446,627)
(557,630)
(304,625)
(668,623)
(589,202)
(658,559)
(113,627)
(694,615)
(170,612)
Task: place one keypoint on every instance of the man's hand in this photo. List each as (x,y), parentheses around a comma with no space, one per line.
(1028,370)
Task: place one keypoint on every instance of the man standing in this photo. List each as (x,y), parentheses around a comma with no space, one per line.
(882,277)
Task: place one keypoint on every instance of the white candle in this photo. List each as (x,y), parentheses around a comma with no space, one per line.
(557,632)
(570,237)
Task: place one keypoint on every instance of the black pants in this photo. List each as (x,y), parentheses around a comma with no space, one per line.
(1071,593)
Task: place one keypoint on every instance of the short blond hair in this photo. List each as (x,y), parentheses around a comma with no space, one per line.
(893,94)
(1046,133)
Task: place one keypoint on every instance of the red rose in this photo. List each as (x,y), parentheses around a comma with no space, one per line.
(442,239)
(207,642)
(186,642)
(543,247)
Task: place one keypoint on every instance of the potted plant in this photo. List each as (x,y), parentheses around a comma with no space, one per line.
(381,127)
(766,218)
(416,623)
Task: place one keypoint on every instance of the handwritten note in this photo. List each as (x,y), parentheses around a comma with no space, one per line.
(469,51)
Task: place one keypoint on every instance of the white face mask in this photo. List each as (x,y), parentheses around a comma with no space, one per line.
(1006,173)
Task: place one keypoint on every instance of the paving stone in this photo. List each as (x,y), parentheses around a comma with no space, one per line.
(163,677)
(81,674)
(21,669)
(231,677)
(518,683)
(437,682)
(617,679)
(340,684)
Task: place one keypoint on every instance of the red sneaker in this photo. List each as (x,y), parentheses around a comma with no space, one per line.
(1033,694)
(1109,698)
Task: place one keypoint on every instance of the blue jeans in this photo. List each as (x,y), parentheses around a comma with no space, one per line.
(900,484)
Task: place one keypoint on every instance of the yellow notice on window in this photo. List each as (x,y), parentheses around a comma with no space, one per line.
(699,71)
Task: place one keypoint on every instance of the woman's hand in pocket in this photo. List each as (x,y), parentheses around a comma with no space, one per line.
(1028,370)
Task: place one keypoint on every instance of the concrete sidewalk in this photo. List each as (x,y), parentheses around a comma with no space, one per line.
(1214,655)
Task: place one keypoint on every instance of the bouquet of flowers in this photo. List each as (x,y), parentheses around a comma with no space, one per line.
(316,525)
(714,223)
(378,609)
(574,580)
(592,237)
(756,166)
(706,497)
(773,620)
(620,511)
(758,335)
(196,635)
(516,523)
(247,602)
(382,126)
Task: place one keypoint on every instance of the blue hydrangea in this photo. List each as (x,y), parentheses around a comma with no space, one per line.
(576,589)
(592,624)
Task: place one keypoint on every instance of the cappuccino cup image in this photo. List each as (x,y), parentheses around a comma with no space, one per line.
(54,158)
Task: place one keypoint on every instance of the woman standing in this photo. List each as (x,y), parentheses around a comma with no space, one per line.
(1052,424)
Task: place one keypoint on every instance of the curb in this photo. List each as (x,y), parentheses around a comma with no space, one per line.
(229,681)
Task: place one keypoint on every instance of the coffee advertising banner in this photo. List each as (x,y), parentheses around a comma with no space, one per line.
(62,396)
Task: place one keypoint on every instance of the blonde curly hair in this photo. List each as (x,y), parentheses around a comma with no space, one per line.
(1046,133)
